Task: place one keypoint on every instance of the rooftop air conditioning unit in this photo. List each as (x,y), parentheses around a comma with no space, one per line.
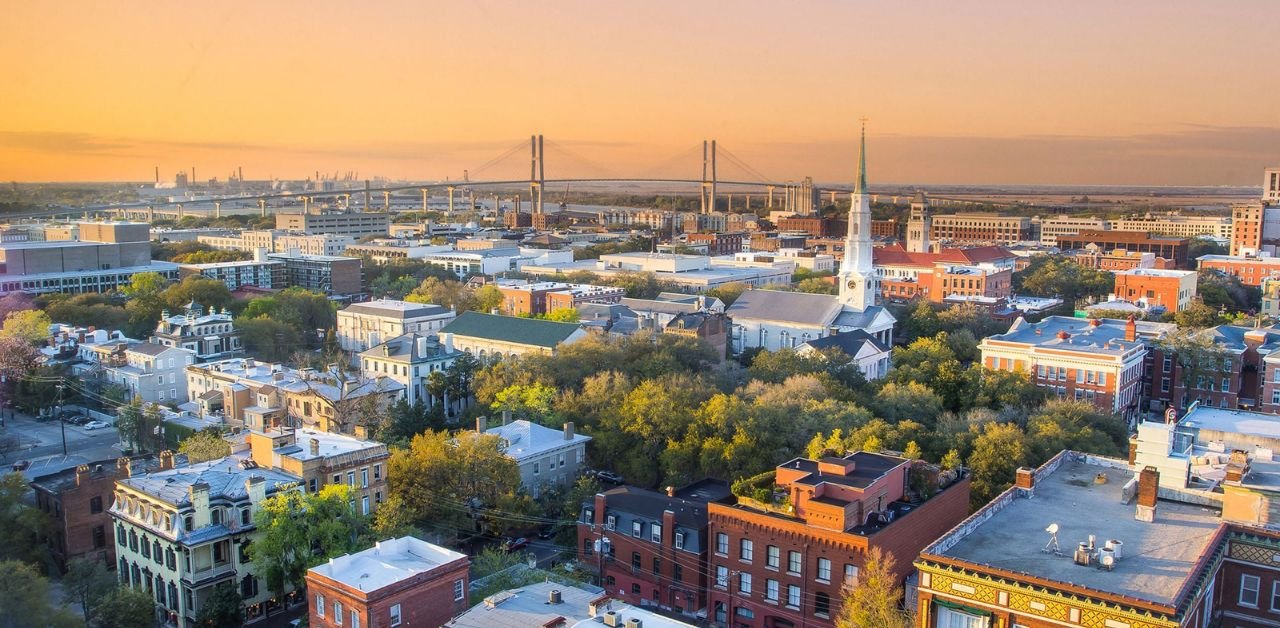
(612,619)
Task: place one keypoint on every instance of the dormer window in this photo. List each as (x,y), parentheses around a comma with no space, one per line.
(680,540)
(610,522)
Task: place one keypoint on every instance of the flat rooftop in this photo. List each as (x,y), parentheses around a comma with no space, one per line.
(386,563)
(1156,559)
(527,607)
(1233,421)
(331,444)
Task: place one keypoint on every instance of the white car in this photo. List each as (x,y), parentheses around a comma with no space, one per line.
(95,425)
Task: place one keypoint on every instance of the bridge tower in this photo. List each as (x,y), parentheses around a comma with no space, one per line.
(537,172)
(708,184)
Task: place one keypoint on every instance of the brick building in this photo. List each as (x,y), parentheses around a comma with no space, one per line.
(1171,289)
(397,582)
(980,229)
(975,272)
(719,243)
(532,299)
(785,563)
(1169,247)
(650,548)
(76,502)
(1251,271)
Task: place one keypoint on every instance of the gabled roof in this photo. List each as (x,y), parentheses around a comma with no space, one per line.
(526,439)
(792,307)
(850,342)
(524,331)
(151,348)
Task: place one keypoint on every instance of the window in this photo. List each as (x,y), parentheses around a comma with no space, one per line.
(610,522)
(722,576)
(100,538)
(536,466)
(364,478)
(337,613)
(311,485)
(635,589)
(637,529)
(586,547)
(722,543)
(824,570)
(337,478)
(745,550)
(244,517)
(95,505)
(822,604)
(458,589)
(771,555)
(793,596)
(1226,384)
(677,572)
(355,619)
(744,583)
(364,505)
(793,562)
(377,472)
(657,566)
(950,618)
(1249,590)
(680,540)
(655,532)
(850,574)
(1226,364)
(216,515)
(351,478)
(395,615)
(771,590)
(319,605)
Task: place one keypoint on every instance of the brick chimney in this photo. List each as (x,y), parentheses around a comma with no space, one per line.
(1025,479)
(166,460)
(124,467)
(315,447)
(1131,329)
(82,474)
(599,508)
(1133,450)
(1148,492)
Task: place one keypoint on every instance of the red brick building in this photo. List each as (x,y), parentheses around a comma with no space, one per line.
(398,582)
(1171,289)
(654,545)
(784,563)
(719,243)
(1250,270)
(534,299)
(1168,247)
(76,501)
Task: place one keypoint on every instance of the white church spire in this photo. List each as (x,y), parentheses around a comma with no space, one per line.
(857,273)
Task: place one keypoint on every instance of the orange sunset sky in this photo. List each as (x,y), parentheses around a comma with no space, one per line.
(1143,91)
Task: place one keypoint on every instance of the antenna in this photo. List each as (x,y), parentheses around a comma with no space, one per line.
(1052,546)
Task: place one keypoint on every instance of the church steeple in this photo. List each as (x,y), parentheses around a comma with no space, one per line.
(857,273)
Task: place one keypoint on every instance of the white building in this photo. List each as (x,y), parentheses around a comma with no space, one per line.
(775,320)
(409,359)
(211,336)
(150,372)
(368,324)
(546,457)
(872,357)
(1053,226)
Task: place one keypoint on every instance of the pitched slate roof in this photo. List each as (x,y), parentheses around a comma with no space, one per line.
(791,307)
(524,331)
(850,342)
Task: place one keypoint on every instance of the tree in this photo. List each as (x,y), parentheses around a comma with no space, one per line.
(15,302)
(562,315)
(29,325)
(206,445)
(1198,315)
(24,599)
(913,401)
(729,292)
(20,525)
(815,285)
(221,609)
(488,297)
(18,358)
(126,607)
(267,338)
(86,582)
(998,451)
(638,284)
(209,293)
(1196,353)
(875,601)
(303,530)
(1052,276)
(533,401)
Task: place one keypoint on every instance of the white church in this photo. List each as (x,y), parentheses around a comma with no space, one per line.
(774,320)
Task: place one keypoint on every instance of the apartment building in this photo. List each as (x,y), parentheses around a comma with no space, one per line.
(650,548)
(211,336)
(260,273)
(180,532)
(1099,361)
(354,224)
(150,372)
(277,241)
(1251,271)
(787,562)
(1172,290)
(409,359)
(546,457)
(1177,225)
(320,459)
(369,324)
(980,229)
(330,275)
(1271,186)
(1050,227)
(398,582)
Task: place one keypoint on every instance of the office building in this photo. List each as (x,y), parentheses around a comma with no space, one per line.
(980,229)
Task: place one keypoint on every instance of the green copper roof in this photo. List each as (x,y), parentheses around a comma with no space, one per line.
(526,331)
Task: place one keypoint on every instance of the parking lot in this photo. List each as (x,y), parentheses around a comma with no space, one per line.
(40,443)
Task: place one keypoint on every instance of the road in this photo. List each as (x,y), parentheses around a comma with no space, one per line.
(42,445)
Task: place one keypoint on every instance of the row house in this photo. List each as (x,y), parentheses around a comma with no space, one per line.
(785,559)
(181,532)
(150,372)
(650,548)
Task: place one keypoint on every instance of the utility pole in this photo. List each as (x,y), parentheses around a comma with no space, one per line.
(62,424)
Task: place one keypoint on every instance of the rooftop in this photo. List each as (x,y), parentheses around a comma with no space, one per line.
(396,309)
(526,439)
(850,342)
(1156,272)
(528,606)
(386,563)
(525,331)
(794,307)
(1240,259)
(225,477)
(408,348)
(1102,336)
(1156,560)
(331,444)
(1253,424)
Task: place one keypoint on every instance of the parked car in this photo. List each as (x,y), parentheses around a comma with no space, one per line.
(610,477)
(511,545)
(77,419)
(96,425)
(21,465)
(546,532)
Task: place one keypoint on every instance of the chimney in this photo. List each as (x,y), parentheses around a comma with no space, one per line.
(671,491)
(1148,491)
(256,487)
(506,417)
(124,467)
(601,503)
(82,474)
(166,460)
(1026,480)
(422,345)
(482,423)
(1131,329)
(568,430)
(315,447)
(1133,450)
(199,495)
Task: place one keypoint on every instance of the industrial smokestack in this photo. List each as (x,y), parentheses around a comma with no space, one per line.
(157,174)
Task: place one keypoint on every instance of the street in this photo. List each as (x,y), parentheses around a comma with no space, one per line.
(41,444)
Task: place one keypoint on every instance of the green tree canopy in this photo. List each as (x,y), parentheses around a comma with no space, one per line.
(1054,276)
(205,445)
(875,602)
(29,325)
(24,599)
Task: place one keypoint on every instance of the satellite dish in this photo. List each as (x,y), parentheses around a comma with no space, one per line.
(1052,529)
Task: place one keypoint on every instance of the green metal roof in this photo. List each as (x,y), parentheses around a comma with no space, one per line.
(525,331)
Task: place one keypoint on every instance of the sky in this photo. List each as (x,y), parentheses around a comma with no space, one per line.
(1149,92)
